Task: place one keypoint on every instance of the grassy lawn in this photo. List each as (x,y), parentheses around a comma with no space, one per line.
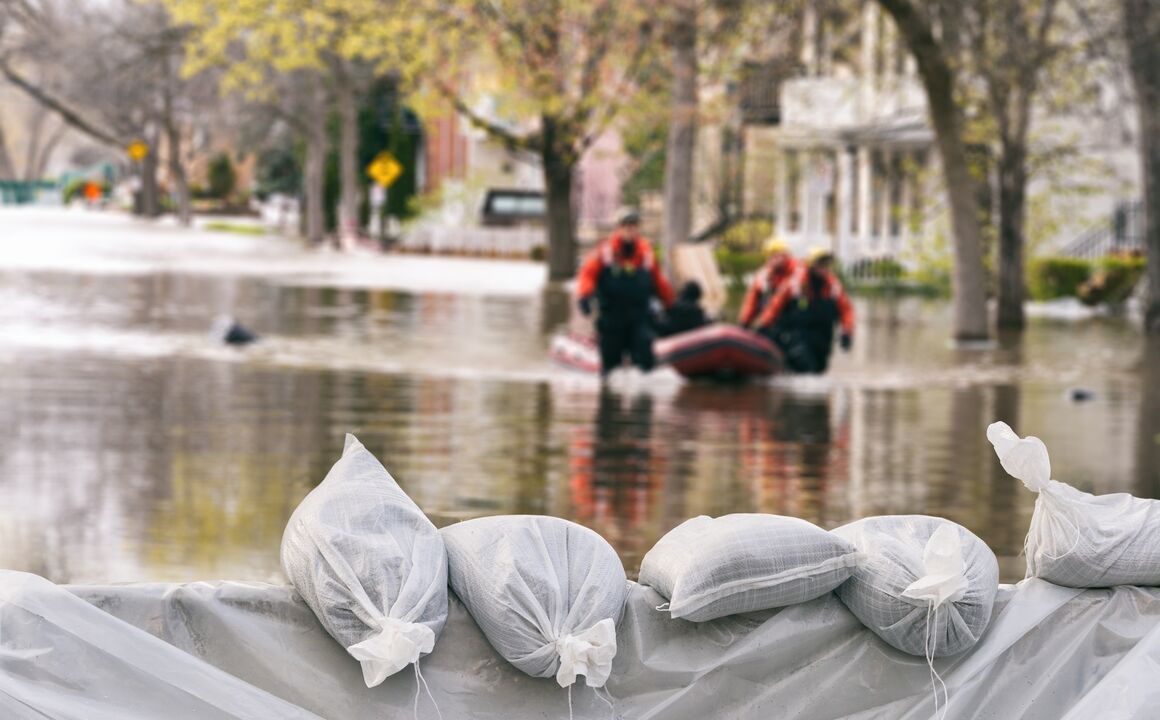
(236,228)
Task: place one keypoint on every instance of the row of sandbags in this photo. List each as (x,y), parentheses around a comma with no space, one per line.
(547,593)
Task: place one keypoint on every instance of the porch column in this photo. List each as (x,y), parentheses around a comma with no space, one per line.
(845,200)
(907,200)
(883,229)
(805,220)
(865,193)
(781,192)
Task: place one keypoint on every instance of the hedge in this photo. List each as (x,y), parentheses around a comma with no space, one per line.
(1053,277)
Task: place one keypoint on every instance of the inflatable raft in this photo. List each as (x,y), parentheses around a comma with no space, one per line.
(576,352)
(723,352)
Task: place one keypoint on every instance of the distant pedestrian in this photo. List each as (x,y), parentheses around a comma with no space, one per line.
(621,277)
(92,192)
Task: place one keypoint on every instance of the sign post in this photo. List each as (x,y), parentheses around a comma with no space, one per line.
(384,170)
(138,150)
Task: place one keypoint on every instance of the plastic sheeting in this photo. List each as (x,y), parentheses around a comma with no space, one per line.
(242,650)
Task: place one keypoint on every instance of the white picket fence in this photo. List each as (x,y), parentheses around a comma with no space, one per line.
(489,242)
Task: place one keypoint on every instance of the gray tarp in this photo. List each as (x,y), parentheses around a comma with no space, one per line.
(246,650)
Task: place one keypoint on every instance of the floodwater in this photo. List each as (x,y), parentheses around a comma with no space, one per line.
(134,448)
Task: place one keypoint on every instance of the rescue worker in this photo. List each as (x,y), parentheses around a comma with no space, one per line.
(622,277)
(686,313)
(802,315)
(778,269)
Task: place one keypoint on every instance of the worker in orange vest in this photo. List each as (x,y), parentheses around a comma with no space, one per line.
(622,277)
(778,269)
(802,316)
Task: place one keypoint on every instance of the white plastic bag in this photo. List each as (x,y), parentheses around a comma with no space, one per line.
(369,564)
(712,567)
(926,585)
(547,593)
(1077,539)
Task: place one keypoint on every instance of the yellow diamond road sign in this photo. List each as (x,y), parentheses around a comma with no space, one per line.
(384,169)
(137,150)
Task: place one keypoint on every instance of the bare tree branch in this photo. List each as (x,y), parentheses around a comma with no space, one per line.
(530,143)
(66,113)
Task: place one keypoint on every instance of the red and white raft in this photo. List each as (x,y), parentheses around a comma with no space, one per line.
(723,352)
(575,351)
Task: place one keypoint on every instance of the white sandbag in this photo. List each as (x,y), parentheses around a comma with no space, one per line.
(926,585)
(708,568)
(1078,539)
(369,564)
(547,593)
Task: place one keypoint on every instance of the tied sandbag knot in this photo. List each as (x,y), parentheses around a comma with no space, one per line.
(1023,458)
(944,581)
(397,645)
(588,653)
(942,561)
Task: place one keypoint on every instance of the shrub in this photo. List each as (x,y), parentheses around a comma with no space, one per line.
(747,236)
(73,190)
(737,264)
(739,251)
(221,176)
(1055,277)
(1113,280)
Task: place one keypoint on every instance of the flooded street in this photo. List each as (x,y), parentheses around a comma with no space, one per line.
(135,448)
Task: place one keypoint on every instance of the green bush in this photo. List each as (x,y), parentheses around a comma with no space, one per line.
(1053,277)
(235,228)
(75,189)
(222,177)
(740,249)
(1113,280)
(735,265)
(747,236)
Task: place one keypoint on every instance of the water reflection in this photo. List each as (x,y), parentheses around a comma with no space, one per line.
(139,451)
(615,477)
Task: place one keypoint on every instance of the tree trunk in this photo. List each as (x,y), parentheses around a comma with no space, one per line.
(7,171)
(48,149)
(558,159)
(314,179)
(150,193)
(1012,212)
(682,138)
(969,277)
(177,175)
(1148,422)
(173,140)
(1142,33)
(348,224)
(32,151)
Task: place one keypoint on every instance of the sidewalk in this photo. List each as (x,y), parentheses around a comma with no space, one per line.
(61,240)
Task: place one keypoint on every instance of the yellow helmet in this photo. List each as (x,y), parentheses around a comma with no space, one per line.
(818,254)
(775,246)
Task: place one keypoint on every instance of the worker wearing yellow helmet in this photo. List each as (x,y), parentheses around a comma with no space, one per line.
(802,315)
(778,269)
